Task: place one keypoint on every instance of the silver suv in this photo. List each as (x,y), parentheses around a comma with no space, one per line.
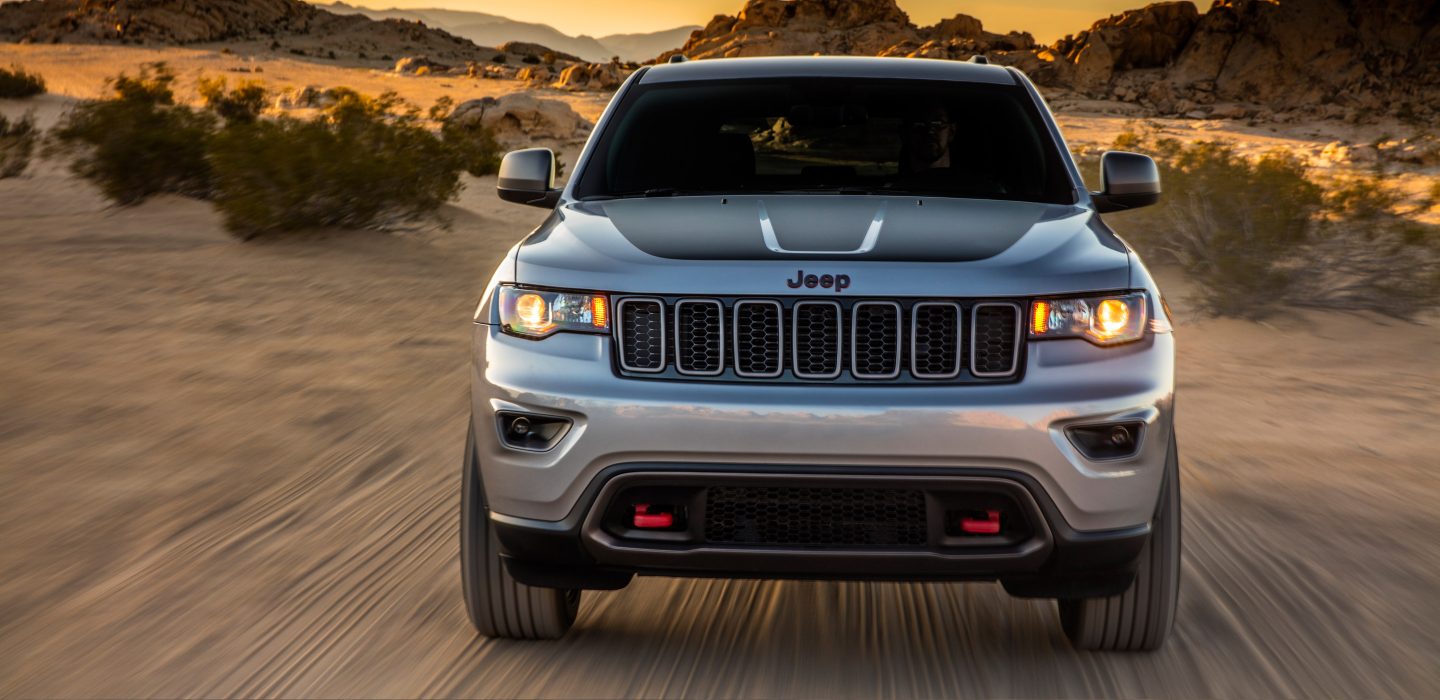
(824,318)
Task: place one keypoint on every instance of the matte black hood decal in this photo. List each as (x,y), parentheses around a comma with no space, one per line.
(899,228)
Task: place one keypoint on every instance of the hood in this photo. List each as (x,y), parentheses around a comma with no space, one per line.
(885,245)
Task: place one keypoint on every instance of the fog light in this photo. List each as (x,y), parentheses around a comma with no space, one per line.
(531,432)
(1107,441)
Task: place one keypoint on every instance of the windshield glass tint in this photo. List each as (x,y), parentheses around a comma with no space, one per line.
(808,134)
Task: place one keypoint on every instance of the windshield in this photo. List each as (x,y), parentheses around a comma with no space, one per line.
(848,136)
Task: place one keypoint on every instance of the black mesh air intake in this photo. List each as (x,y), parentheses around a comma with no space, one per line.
(994,334)
(699,340)
(817,339)
(642,335)
(759,339)
(875,340)
(936,340)
(816,517)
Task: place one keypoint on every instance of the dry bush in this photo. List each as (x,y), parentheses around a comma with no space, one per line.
(1257,234)
(16,83)
(470,143)
(240,104)
(364,162)
(17,142)
(138,142)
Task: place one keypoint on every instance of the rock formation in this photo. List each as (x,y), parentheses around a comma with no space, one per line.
(849,27)
(592,76)
(291,24)
(1342,58)
(519,118)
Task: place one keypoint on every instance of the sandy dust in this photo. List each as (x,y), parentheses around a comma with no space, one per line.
(233,469)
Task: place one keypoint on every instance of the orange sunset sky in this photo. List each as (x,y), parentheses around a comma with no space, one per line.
(1046,19)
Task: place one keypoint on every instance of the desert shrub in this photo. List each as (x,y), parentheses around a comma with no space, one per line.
(139,143)
(363,162)
(242,103)
(1256,234)
(17,142)
(15,82)
(471,144)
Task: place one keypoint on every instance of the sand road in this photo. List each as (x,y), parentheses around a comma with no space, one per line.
(233,470)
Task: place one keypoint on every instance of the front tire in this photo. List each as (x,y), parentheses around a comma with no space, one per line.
(1140,618)
(500,606)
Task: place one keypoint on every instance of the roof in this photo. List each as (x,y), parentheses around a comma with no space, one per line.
(828,67)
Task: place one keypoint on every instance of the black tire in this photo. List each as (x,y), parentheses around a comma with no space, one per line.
(500,606)
(1140,618)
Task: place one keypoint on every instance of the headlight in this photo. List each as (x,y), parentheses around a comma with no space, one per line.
(537,313)
(1107,320)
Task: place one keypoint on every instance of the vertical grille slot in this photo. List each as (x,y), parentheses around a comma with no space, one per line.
(994,339)
(640,325)
(816,342)
(935,340)
(875,340)
(699,336)
(759,339)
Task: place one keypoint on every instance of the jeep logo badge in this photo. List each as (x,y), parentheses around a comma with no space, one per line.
(837,282)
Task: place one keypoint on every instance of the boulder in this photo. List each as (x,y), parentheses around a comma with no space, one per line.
(520,118)
(592,76)
(418,65)
(526,48)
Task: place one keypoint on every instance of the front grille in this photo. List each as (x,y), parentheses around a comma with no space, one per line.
(642,334)
(699,336)
(875,340)
(818,517)
(819,340)
(759,339)
(936,347)
(995,329)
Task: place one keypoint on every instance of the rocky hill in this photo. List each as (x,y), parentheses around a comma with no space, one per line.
(848,27)
(299,26)
(1349,58)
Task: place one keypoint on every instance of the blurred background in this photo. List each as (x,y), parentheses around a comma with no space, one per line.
(241,242)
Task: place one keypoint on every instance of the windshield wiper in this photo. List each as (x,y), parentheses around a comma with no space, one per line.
(853,190)
(649,192)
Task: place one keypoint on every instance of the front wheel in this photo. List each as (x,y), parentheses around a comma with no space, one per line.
(500,606)
(1140,618)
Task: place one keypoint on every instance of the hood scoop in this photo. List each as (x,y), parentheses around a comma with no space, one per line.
(828,238)
(852,227)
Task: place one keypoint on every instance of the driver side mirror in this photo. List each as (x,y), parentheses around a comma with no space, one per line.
(1127,181)
(527,176)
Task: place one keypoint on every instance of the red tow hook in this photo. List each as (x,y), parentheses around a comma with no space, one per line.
(645,520)
(975,526)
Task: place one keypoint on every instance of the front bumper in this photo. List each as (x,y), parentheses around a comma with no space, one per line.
(1013,429)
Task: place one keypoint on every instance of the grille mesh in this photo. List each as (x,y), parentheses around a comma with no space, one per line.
(758,334)
(936,340)
(699,344)
(876,338)
(817,339)
(844,517)
(642,341)
(994,338)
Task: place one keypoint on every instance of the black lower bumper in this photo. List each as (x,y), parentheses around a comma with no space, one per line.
(1043,558)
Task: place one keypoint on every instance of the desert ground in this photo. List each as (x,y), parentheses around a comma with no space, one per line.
(232,469)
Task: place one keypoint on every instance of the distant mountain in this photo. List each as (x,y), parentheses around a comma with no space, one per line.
(493,30)
(641,47)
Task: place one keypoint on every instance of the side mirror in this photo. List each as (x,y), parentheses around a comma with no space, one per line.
(528,177)
(1127,181)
